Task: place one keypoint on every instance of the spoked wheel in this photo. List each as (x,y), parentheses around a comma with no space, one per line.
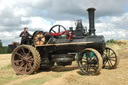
(110,58)
(39,38)
(25,59)
(90,61)
(59,29)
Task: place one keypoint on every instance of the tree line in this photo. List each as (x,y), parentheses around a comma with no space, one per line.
(4,49)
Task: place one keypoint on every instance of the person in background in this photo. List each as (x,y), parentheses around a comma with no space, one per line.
(26,36)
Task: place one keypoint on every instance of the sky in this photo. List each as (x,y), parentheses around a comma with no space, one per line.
(111,16)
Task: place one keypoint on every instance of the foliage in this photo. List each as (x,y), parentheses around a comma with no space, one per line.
(112,41)
(4,49)
(0,43)
(117,42)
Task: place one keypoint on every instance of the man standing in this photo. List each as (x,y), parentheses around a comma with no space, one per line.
(26,36)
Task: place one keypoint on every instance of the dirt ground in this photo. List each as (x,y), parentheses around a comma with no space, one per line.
(69,75)
(4,60)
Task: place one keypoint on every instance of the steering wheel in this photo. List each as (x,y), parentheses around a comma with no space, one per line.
(56,30)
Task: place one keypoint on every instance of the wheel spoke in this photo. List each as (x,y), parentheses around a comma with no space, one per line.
(42,36)
(25,67)
(105,54)
(110,63)
(92,67)
(53,31)
(19,54)
(84,61)
(112,59)
(87,68)
(21,66)
(111,54)
(29,57)
(28,53)
(88,56)
(94,58)
(95,67)
(105,62)
(36,40)
(84,66)
(17,61)
(31,60)
(108,52)
(30,66)
(59,29)
(23,51)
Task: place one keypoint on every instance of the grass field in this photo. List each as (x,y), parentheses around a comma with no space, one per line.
(69,75)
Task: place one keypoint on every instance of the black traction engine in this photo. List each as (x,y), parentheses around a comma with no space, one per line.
(61,47)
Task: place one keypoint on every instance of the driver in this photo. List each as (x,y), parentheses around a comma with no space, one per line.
(25,36)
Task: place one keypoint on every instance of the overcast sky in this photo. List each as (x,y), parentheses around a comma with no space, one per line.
(111,16)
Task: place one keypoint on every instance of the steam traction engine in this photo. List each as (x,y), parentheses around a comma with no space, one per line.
(62,47)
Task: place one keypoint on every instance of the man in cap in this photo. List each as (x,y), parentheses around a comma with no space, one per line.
(26,36)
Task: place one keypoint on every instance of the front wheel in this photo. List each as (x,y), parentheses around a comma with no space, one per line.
(89,61)
(110,58)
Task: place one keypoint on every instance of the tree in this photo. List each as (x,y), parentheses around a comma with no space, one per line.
(111,41)
(1,44)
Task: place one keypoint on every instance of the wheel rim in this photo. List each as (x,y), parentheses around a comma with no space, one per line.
(88,62)
(23,61)
(39,39)
(109,58)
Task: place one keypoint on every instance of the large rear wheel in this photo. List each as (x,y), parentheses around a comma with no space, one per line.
(25,59)
(90,61)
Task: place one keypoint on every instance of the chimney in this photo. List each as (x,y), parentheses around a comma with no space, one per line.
(91,12)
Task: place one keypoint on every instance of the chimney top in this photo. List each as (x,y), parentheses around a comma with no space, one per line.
(91,9)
